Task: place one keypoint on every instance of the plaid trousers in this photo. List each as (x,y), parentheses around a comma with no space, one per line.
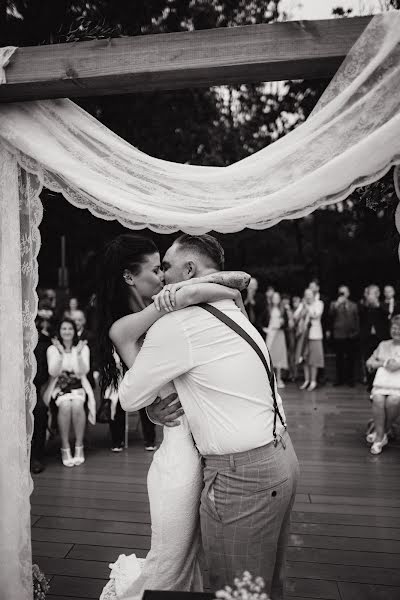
(245,510)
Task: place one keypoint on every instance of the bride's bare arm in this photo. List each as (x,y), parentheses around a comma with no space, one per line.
(127,331)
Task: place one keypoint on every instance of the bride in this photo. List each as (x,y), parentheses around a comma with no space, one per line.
(130,278)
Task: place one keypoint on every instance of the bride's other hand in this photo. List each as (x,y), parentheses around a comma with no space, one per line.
(166,411)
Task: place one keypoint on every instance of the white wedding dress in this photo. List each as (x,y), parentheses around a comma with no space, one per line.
(174,483)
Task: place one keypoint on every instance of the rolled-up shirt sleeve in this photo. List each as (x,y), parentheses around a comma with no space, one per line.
(165,355)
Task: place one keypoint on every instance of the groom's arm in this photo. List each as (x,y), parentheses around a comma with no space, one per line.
(165,355)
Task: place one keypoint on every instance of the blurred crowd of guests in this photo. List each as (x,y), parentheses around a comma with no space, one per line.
(364,336)
(67,385)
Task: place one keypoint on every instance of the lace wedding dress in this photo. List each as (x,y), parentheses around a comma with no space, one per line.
(174,486)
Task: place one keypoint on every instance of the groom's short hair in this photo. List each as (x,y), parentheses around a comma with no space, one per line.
(206,246)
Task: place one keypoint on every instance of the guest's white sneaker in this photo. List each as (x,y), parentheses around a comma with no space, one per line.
(305,385)
(79,457)
(66,457)
(371,437)
(312,386)
(280,385)
(376,447)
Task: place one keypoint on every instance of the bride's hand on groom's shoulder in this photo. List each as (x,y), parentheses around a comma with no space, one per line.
(166,299)
(166,411)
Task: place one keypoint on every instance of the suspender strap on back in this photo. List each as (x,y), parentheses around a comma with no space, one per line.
(243,334)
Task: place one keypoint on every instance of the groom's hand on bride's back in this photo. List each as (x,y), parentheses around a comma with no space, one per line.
(165,411)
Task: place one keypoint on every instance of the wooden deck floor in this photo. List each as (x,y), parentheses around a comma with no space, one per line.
(345,536)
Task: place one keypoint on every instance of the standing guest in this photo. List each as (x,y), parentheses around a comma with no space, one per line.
(296,301)
(290,334)
(51,296)
(274,323)
(310,350)
(385,361)
(69,390)
(118,415)
(79,318)
(253,301)
(346,330)
(73,305)
(268,295)
(373,326)
(390,305)
(40,411)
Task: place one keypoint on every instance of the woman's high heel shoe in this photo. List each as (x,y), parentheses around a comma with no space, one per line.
(66,457)
(305,385)
(79,457)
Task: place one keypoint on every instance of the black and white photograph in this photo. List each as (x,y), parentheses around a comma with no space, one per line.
(199,299)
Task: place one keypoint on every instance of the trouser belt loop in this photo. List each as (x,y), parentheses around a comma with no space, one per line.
(232,463)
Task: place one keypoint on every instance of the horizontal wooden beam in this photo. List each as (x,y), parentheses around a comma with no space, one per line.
(254,53)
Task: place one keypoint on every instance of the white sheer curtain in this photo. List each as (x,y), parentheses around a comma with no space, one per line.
(20,214)
(352,138)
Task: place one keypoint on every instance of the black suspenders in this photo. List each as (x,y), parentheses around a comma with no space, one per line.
(243,334)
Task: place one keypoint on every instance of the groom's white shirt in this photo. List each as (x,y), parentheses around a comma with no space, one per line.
(221,382)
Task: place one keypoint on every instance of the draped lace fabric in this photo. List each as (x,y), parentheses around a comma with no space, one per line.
(352,138)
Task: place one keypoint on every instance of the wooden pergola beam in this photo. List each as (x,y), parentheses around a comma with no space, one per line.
(254,53)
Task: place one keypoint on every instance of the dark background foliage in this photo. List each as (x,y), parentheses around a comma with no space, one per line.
(355,242)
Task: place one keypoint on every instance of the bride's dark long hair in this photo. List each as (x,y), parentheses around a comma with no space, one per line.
(127,251)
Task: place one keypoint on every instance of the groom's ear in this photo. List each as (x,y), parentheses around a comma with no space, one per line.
(190,270)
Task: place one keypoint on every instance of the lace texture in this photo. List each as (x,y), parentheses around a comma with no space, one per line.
(351,139)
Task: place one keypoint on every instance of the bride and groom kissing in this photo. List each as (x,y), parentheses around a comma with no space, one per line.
(223,482)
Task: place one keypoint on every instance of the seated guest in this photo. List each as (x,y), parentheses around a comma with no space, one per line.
(345,330)
(69,392)
(385,362)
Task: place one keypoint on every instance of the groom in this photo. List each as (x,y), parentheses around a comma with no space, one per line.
(249,481)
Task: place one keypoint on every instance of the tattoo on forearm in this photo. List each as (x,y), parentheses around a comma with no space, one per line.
(238,280)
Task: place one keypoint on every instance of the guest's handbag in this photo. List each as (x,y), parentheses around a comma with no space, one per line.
(270,370)
(104,411)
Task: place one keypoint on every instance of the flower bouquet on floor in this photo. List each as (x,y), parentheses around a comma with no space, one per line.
(244,589)
(40,584)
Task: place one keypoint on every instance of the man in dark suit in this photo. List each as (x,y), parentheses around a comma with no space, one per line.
(79,318)
(40,410)
(346,330)
(390,306)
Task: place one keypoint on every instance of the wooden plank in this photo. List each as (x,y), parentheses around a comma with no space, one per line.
(91,513)
(343,557)
(341,543)
(50,549)
(233,55)
(68,500)
(357,591)
(91,538)
(75,568)
(103,553)
(358,501)
(340,519)
(81,587)
(384,511)
(363,531)
(94,525)
(319,589)
(354,574)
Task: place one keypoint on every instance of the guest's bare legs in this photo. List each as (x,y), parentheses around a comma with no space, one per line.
(392,410)
(313,375)
(379,413)
(64,422)
(78,420)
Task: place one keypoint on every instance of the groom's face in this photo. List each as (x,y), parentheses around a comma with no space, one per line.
(175,265)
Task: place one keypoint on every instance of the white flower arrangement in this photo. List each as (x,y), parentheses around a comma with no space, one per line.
(244,589)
